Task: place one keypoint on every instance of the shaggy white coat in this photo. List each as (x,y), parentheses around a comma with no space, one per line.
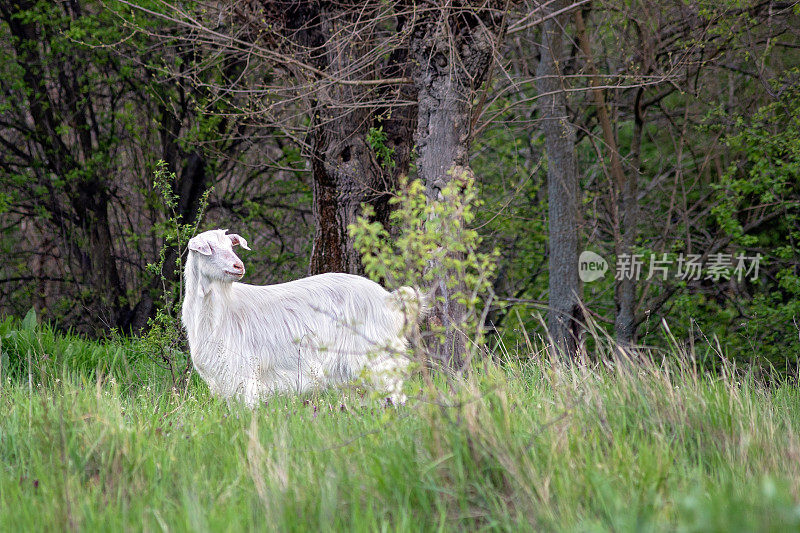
(250,341)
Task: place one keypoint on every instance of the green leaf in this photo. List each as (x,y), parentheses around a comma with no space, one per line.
(29,322)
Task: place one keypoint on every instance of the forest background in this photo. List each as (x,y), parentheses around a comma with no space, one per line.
(665,133)
(602,196)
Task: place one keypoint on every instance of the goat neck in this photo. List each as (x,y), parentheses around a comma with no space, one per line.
(201,294)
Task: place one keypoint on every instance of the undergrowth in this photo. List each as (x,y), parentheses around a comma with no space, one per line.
(98,439)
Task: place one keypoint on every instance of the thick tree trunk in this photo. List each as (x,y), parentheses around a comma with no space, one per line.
(442,132)
(345,175)
(338,41)
(345,172)
(565,313)
(453,50)
(398,118)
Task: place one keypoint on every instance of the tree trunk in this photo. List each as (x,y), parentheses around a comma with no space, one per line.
(623,192)
(398,118)
(628,209)
(624,187)
(345,175)
(442,131)
(103,269)
(344,170)
(565,313)
(453,50)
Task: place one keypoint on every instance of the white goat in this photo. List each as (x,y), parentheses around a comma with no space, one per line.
(249,341)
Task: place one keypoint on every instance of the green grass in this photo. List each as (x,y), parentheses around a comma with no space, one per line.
(94,437)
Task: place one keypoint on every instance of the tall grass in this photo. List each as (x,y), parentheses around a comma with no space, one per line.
(653,444)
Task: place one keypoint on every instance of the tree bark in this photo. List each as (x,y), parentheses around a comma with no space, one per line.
(345,175)
(442,133)
(330,48)
(453,49)
(344,169)
(565,314)
(398,118)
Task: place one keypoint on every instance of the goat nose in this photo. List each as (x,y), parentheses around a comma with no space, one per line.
(238,267)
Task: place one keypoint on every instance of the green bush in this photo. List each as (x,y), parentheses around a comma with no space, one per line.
(432,246)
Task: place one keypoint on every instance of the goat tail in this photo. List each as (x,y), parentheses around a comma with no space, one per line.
(412,302)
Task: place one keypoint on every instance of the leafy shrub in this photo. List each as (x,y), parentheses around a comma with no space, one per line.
(164,340)
(433,248)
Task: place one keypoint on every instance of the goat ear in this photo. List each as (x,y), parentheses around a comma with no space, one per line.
(200,245)
(238,240)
